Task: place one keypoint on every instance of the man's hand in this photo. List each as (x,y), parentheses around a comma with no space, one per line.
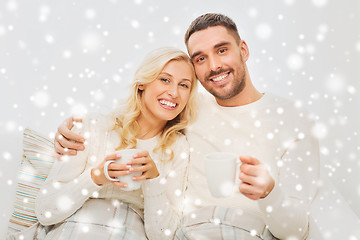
(67,142)
(256,180)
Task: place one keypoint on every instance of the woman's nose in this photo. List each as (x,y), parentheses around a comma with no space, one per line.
(173,91)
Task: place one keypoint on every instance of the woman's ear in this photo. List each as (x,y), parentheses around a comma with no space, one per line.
(141,87)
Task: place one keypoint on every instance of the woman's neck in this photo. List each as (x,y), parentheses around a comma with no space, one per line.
(147,128)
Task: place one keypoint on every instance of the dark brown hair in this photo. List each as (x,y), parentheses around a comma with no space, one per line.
(211,20)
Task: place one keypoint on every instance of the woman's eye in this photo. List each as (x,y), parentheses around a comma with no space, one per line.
(184,85)
(164,79)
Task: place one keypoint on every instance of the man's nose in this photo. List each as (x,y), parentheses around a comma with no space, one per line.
(215,63)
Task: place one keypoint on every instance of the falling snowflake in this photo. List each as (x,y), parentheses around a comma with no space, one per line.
(48,214)
(40,99)
(90,41)
(319,3)
(12,6)
(90,13)
(44,12)
(78,110)
(7,156)
(253,232)
(320,130)
(167,232)
(253,12)
(263,31)
(295,62)
(135,24)
(269,209)
(335,84)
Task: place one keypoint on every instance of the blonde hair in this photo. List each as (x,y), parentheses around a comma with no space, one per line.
(125,118)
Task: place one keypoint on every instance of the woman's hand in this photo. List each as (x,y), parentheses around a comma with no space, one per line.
(114,170)
(148,168)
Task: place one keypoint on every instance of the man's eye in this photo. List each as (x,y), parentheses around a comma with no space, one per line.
(200,59)
(222,50)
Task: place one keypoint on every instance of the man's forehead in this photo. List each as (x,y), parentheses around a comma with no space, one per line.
(208,38)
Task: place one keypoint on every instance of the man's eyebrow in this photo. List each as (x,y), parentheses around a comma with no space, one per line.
(195,54)
(220,44)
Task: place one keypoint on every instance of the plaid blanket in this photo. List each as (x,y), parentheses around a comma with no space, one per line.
(220,223)
(99,219)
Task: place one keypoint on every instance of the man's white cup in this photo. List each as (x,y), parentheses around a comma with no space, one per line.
(220,168)
(126,156)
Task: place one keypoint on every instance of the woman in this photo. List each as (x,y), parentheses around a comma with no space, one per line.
(84,204)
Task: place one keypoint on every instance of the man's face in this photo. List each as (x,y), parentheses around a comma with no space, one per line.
(218,61)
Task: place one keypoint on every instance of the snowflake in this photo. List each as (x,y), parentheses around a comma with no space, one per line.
(167,232)
(319,3)
(12,5)
(253,12)
(319,130)
(177,192)
(90,13)
(253,232)
(64,203)
(295,62)
(135,24)
(263,31)
(40,99)
(269,209)
(48,214)
(90,41)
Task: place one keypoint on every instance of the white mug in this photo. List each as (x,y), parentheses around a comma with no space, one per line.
(126,156)
(220,168)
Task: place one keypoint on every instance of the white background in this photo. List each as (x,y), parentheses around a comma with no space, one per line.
(61,57)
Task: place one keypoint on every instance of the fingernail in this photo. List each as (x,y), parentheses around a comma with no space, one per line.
(135,155)
(128,166)
(82,147)
(133,178)
(129,162)
(118,155)
(130,169)
(125,185)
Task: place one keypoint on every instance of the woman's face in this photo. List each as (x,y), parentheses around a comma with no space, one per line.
(165,97)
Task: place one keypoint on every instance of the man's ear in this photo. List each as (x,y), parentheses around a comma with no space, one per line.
(244,50)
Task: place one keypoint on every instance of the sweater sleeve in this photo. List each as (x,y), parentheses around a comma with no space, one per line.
(67,186)
(164,195)
(286,208)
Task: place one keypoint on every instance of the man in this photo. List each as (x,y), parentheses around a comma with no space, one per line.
(279,157)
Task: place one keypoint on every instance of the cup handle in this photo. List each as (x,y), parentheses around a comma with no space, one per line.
(106,171)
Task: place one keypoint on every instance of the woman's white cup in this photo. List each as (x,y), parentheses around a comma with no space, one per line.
(220,168)
(126,156)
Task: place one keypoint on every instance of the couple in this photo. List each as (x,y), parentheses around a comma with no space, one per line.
(279,157)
